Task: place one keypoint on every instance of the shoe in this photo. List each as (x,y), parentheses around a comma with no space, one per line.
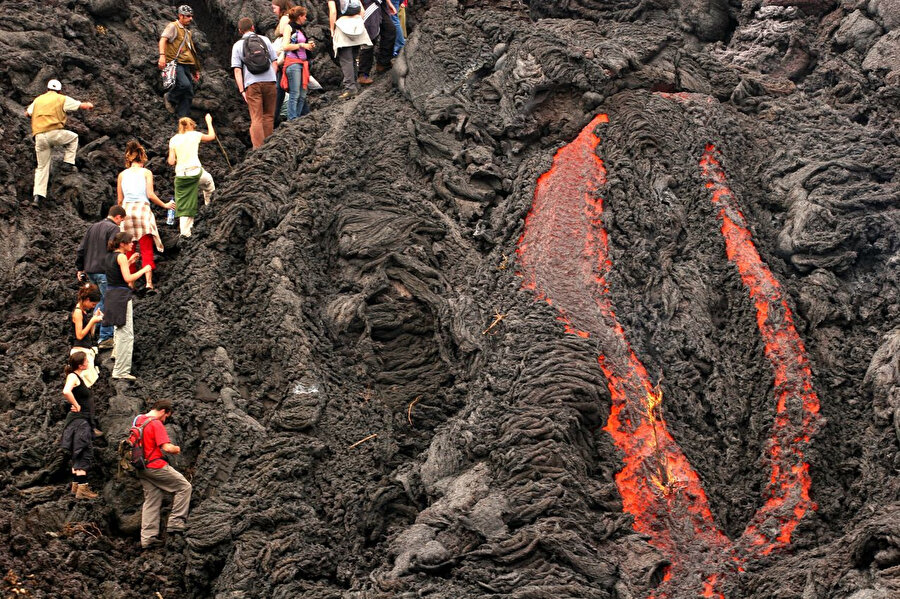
(347,95)
(107,344)
(150,291)
(37,201)
(74,488)
(83,491)
(383,68)
(125,377)
(365,80)
(153,543)
(98,432)
(67,168)
(175,531)
(169,106)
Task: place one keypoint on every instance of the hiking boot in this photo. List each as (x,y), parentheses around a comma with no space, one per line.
(107,344)
(347,95)
(383,68)
(365,80)
(125,377)
(74,488)
(169,106)
(38,200)
(153,543)
(67,168)
(175,531)
(83,491)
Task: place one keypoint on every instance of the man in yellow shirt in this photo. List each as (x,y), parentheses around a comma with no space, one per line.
(48,119)
(176,43)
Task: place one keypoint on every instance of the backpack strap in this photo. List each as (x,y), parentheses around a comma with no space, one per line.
(183,40)
(140,429)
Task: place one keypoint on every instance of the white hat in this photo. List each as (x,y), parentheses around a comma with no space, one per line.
(54,84)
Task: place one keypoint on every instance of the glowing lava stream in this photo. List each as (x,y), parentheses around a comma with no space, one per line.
(564,259)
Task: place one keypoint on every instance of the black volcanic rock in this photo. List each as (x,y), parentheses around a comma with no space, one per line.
(368,403)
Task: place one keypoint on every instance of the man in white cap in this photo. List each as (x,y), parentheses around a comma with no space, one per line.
(48,119)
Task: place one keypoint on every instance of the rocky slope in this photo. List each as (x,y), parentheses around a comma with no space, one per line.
(370,399)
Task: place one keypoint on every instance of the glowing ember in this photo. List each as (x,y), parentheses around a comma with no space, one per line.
(564,259)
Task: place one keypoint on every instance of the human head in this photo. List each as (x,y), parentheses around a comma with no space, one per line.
(76,361)
(116,214)
(163,407)
(185,124)
(120,239)
(54,85)
(134,152)
(245,25)
(295,14)
(281,7)
(89,295)
(185,14)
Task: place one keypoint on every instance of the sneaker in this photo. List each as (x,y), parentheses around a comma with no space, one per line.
(365,80)
(153,543)
(125,377)
(107,344)
(67,168)
(347,95)
(169,106)
(150,291)
(38,200)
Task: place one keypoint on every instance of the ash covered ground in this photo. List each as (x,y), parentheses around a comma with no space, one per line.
(359,276)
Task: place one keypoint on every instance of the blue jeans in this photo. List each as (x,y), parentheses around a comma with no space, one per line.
(182,94)
(297,98)
(99,279)
(400,41)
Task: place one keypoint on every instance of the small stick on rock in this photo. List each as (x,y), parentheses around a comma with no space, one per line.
(497,318)
(363,440)
(409,409)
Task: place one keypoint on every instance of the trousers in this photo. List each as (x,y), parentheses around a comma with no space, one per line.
(261,103)
(155,482)
(124,346)
(43,148)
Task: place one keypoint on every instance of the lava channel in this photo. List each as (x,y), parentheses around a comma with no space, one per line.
(564,260)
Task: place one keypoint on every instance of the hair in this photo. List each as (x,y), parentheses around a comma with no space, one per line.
(75,361)
(283,6)
(134,152)
(163,405)
(296,12)
(245,25)
(186,123)
(116,210)
(120,238)
(89,292)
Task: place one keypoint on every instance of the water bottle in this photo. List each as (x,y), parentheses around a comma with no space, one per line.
(170,214)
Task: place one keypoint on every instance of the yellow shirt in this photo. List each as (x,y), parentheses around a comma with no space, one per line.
(48,111)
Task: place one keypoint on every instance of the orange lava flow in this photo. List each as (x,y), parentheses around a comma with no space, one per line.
(797,406)
(564,259)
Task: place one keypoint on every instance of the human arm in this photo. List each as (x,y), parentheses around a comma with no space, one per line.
(71,383)
(332,16)
(81,329)
(122,261)
(79,256)
(169,448)
(151,195)
(163,44)
(119,194)
(30,109)
(239,80)
(210,132)
(392,10)
(172,158)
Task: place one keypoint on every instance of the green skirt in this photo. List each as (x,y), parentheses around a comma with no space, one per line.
(187,190)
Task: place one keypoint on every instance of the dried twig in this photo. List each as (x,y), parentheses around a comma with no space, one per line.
(503,263)
(88,528)
(497,318)
(409,409)
(363,440)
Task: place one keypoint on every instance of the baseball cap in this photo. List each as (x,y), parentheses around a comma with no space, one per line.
(54,84)
(186,10)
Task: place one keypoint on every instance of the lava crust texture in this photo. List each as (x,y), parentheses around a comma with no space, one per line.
(586,299)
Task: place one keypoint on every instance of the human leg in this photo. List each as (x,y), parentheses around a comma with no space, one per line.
(347,57)
(185,225)
(171,481)
(366,58)
(279,96)
(146,245)
(400,40)
(124,344)
(182,95)
(99,279)
(153,499)
(386,37)
(42,150)
(207,186)
(255,106)
(295,84)
(269,94)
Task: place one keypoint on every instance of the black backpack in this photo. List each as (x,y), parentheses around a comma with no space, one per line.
(131,450)
(256,55)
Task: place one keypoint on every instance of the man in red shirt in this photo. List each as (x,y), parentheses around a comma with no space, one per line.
(158,477)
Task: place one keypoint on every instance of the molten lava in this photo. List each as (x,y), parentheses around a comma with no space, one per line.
(564,259)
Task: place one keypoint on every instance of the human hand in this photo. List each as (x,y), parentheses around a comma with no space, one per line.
(175,450)
(208,118)
(171,204)
(133,258)
(161,63)
(196,76)
(98,316)
(79,275)
(88,105)
(76,407)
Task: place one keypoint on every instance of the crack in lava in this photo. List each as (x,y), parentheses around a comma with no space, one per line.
(564,258)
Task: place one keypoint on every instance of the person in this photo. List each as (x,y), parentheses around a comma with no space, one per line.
(134,192)
(296,62)
(90,260)
(281,8)
(119,309)
(258,90)
(380,28)
(159,477)
(48,121)
(190,176)
(399,21)
(348,34)
(86,318)
(176,43)
(80,426)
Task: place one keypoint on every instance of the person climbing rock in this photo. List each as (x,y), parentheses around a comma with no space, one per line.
(159,477)
(86,317)
(48,121)
(134,192)
(80,426)
(281,8)
(190,176)
(176,43)
(257,88)
(119,308)
(381,30)
(296,63)
(90,260)
(348,34)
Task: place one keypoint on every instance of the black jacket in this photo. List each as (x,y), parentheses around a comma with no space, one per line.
(91,255)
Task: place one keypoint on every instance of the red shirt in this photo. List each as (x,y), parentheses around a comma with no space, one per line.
(154,436)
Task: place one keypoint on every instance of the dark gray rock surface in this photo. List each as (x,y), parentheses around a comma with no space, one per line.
(340,285)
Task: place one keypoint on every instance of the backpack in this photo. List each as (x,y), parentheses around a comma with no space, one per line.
(131,450)
(350,7)
(256,55)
